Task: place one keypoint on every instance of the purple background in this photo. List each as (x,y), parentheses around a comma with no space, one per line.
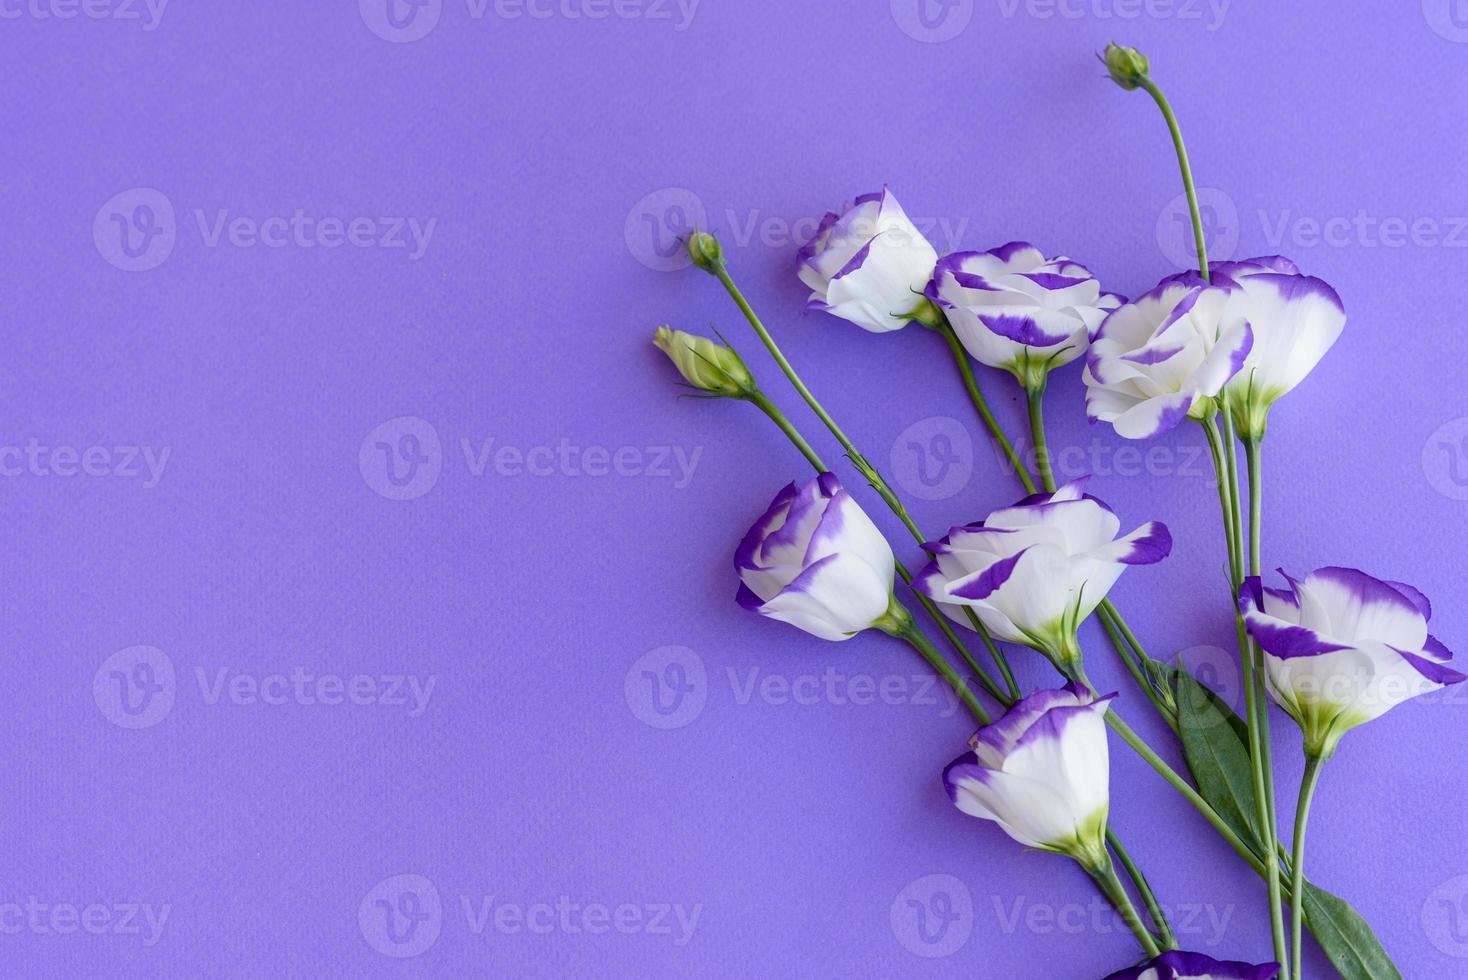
(556,155)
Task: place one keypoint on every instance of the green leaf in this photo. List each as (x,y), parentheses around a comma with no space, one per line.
(1215,744)
(1346,938)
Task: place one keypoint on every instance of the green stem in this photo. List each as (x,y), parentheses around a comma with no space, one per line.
(1113,627)
(1260,721)
(1035,396)
(1165,935)
(981,404)
(1255,702)
(1297,860)
(1230,532)
(1150,87)
(867,470)
(907,630)
(763,403)
(1111,887)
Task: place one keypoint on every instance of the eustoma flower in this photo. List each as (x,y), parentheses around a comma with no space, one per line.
(816,561)
(869,265)
(1163,357)
(1034,571)
(1018,311)
(1042,773)
(1176,965)
(705,365)
(1343,648)
(1296,319)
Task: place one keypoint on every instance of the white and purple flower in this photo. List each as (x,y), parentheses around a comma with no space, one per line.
(1165,356)
(1018,311)
(1177,965)
(1343,648)
(868,265)
(1296,320)
(816,561)
(1033,572)
(1042,772)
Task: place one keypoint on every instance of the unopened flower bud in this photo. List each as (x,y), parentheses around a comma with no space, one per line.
(1127,66)
(705,250)
(704,364)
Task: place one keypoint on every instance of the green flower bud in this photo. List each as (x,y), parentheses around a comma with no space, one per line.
(704,364)
(1127,66)
(705,250)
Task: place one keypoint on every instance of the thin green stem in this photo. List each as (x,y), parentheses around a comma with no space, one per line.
(763,403)
(1297,859)
(1200,240)
(1165,936)
(1254,456)
(933,611)
(981,404)
(867,470)
(1230,532)
(908,630)
(1128,658)
(1111,887)
(1035,396)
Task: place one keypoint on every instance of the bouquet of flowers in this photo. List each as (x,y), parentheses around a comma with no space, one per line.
(1216,348)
